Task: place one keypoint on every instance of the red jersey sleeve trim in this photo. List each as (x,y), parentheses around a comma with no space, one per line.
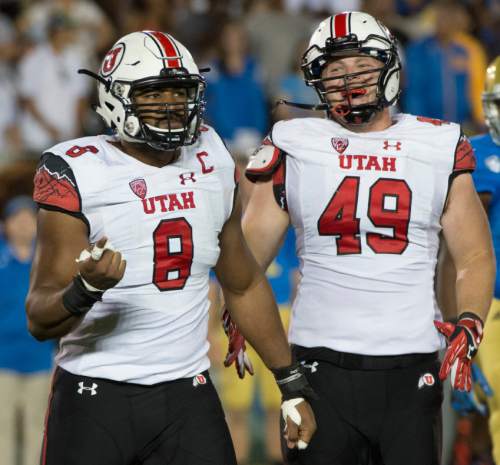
(465,160)
(55,185)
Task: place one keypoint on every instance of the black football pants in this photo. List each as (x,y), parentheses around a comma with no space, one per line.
(372,410)
(92,421)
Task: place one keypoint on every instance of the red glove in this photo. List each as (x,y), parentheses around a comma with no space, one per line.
(236,348)
(463,341)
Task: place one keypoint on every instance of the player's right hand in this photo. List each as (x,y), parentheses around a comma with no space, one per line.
(104,267)
(236,350)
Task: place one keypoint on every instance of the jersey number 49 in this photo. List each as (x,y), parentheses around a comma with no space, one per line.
(389,206)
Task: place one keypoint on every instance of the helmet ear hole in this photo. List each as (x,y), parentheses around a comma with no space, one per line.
(132,125)
(391,88)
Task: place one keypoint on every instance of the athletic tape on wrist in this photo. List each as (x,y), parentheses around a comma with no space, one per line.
(77,299)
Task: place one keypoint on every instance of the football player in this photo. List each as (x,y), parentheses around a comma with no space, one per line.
(487,182)
(128,229)
(368,194)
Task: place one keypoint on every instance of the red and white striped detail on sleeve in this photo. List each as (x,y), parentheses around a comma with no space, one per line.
(340,24)
(169,52)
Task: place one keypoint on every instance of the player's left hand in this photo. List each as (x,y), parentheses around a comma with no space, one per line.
(468,402)
(463,340)
(300,423)
(236,351)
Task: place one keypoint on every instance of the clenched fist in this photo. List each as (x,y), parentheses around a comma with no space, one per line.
(101,266)
(300,423)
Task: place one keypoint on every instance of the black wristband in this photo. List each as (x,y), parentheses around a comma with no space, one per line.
(77,299)
(292,382)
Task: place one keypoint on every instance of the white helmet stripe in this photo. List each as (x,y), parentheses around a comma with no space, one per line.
(169,53)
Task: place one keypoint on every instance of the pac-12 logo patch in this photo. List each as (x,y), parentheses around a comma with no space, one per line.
(199,379)
(426,380)
(139,187)
(340,144)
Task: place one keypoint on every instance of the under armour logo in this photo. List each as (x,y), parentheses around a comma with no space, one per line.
(311,366)
(391,144)
(187,177)
(92,389)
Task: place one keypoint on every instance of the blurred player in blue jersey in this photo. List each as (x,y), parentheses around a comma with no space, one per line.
(238,394)
(487,181)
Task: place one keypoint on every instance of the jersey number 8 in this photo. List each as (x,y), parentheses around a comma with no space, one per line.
(173,254)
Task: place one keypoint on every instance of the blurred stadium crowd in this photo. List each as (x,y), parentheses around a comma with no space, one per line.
(253,48)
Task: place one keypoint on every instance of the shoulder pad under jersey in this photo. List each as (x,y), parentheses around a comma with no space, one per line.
(264,162)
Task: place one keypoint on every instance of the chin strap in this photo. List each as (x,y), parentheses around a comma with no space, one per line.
(305,106)
(351,116)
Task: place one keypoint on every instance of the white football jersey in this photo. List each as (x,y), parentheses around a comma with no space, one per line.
(151,327)
(366,209)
